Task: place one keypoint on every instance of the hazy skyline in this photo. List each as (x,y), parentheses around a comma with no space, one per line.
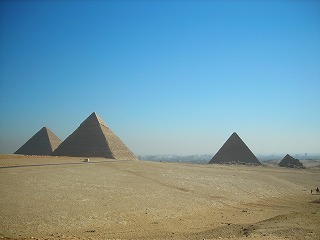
(168,77)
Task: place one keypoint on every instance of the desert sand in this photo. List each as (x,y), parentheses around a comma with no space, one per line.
(67,198)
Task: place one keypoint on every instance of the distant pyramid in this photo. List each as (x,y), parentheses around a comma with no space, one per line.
(290,162)
(43,142)
(234,150)
(94,139)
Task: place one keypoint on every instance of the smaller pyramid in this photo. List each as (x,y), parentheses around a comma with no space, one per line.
(93,138)
(43,142)
(235,151)
(290,162)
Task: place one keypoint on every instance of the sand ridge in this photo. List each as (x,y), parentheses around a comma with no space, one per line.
(65,198)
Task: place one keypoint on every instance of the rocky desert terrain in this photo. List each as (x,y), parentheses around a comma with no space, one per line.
(67,198)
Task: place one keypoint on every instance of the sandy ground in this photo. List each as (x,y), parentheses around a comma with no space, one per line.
(65,198)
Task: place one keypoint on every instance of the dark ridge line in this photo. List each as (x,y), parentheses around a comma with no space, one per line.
(61,164)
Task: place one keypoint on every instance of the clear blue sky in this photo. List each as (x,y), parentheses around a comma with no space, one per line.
(166,76)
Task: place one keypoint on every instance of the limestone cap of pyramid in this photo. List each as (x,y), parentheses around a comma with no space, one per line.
(93,119)
(46,131)
(53,139)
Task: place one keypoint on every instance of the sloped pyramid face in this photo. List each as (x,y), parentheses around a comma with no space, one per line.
(43,142)
(94,139)
(235,151)
(290,162)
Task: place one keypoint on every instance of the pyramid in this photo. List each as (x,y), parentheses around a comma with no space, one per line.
(290,162)
(43,142)
(94,139)
(234,150)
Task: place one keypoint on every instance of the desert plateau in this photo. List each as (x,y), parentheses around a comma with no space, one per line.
(67,198)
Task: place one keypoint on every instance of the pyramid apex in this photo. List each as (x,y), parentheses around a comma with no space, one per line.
(93,114)
(235,137)
(93,119)
(234,134)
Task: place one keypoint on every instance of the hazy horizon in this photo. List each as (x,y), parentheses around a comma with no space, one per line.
(168,77)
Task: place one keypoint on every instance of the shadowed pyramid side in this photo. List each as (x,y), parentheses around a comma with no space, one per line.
(234,150)
(94,139)
(44,142)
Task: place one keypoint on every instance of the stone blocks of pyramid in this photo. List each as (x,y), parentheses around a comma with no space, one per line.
(290,162)
(44,142)
(235,151)
(93,138)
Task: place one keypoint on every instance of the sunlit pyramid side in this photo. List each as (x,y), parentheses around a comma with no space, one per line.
(94,139)
(44,142)
(235,151)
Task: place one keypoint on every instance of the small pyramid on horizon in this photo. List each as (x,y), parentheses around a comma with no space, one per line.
(94,139)
(44,142)
(235,151)
(290,162)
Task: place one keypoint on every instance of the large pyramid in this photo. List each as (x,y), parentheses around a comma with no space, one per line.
(94,139)
(290,162)
(234,150)
(43,142)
